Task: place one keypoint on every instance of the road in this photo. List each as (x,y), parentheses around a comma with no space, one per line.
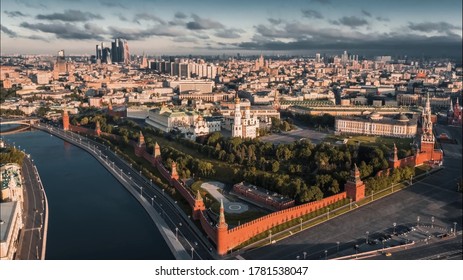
(450,249)
(188,234)
(31,239)
(434,196)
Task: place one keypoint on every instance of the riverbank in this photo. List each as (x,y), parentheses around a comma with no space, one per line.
(171,239)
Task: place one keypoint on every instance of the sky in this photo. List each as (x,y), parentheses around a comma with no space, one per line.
(296,27)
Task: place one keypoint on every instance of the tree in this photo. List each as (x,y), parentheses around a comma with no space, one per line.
(275,166)
(84,121)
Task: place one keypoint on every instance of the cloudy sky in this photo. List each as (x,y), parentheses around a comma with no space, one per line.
(372,27)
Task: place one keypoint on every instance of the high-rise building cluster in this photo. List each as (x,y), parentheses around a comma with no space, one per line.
(185,68)
(118,53)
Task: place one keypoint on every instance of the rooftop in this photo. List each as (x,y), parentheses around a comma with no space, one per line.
(7,210)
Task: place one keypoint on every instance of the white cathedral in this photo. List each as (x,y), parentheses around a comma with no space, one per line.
(244,125)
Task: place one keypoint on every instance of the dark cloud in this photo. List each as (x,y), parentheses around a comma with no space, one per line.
(199,23)
(147,17)
(351,21)
(15,14)
(37,37)
(382,19)
(308,13)
(275,21)
(368,14)
(8,31)
(298,37)
(70,16)
(180,15)
(229,33)
(441,27)
(65,30)
(111,4)
(324,2)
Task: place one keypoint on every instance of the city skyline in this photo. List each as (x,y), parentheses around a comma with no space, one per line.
(414,28)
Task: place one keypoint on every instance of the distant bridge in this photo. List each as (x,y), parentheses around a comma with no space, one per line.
(25,123)
(22,121)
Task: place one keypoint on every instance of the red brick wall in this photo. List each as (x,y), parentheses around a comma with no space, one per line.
(246,231)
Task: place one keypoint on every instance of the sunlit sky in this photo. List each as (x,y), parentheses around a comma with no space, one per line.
(407,27)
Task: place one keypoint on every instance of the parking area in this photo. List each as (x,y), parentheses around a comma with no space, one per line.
(295,135)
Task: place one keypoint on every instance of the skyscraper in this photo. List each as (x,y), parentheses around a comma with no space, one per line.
(120,51)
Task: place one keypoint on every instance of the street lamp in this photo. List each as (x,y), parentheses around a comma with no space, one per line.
(141,191)
(372,193)
(297,257)
(326,254)
(301,223)
(192,250)
(350,203)
(432,222)
(270,236)
(454,228)
(328,213)
(417,220)
(176,234)
(366,239)
(337,247)
(152,201)
(393,231)
(305,254)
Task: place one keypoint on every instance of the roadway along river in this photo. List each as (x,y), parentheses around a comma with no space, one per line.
(92,216)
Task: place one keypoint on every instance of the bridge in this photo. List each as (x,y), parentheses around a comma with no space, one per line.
(25,123)
(22,121)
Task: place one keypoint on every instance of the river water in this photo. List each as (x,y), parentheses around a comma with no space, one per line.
(92,216)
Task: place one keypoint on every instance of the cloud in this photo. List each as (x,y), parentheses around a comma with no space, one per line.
(147,17)
(142,34)
(66,30)
(368,14)
(8,31)
(351,21)
(31,4)
(308,13)
(440,27)
(70,16)
(180,15)
(199,23)
(382,19)
(297,36)
(37,37)
(185,39)
(323,2)
(121,17)
(111,4)
(229,33)
(275,21)
(15,14)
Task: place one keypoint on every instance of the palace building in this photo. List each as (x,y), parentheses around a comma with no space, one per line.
(375,124)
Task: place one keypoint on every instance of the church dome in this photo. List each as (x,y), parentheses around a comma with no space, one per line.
(375,116)
(403,118)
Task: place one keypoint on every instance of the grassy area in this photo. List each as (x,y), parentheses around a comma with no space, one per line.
(401,143)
